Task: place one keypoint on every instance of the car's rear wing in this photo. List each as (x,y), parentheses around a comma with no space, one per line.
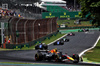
(43,50)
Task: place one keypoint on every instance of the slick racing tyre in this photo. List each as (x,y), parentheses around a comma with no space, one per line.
(68,35)
(76,58)
(36,48)
(54,44)
(79,31)
(67,40)
(73,34)
(45,47)
(38,57)
(62,42)
(56,58)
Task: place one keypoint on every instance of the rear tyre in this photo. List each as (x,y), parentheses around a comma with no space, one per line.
(73,34)
(55,43)
(45,47)
(68,35)
(67,40)
(76,58)
(36,48)
(62,43)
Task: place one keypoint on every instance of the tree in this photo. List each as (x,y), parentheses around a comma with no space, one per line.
(91,10)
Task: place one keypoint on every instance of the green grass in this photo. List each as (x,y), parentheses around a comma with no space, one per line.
(64,21)
(47,41)
(94,54)
(31,46)
(83,23)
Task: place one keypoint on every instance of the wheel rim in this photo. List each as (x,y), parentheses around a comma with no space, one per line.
(56,58)
(36,57)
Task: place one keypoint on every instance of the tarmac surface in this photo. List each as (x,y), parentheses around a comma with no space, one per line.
(76,45)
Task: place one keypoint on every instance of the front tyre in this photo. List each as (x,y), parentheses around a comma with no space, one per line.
(76,58)
(38,57)
(55,43)
(56,58)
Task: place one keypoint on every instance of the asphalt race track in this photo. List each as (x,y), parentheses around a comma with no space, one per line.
(76,45)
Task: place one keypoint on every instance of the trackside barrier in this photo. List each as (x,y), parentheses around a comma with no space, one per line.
(26,30)
(31,43)
(78,27)
(26,45)
(17,47)
(61,15)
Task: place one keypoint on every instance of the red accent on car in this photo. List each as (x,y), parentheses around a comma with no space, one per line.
(68,58)
(62,55)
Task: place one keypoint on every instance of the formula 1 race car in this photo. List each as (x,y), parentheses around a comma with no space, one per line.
(59,42)
(71,34)
(65,39)
(57,57)
(83,30)
(41,46)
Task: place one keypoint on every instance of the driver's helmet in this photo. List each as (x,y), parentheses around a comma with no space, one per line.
(55,49)
(64,37)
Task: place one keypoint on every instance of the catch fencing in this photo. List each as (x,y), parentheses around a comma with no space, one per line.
(26,30)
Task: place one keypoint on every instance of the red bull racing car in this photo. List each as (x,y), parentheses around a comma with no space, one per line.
(57,57)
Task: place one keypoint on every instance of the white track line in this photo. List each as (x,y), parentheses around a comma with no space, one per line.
(89,48)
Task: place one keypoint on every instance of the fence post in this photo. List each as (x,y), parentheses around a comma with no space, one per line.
(16,30)
(25,30)
(2,32)
(33,27)
(10,26)
(51,24)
